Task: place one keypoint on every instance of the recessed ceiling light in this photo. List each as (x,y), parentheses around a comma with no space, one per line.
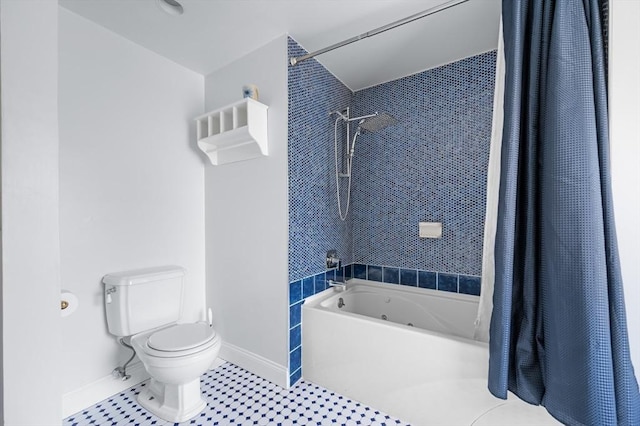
(172,7)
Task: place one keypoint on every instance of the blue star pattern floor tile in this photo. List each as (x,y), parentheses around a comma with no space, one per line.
(237,397)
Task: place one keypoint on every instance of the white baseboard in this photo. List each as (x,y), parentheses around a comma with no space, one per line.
(105,387)
(267,369)
(217,363)
(101,389)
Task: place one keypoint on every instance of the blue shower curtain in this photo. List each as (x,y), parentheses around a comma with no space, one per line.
(558,332)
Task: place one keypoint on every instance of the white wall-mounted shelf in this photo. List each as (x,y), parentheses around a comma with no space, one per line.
(236,132)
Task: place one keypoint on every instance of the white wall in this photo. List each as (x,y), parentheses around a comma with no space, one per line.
(30,251)
(247,221)
(131,182)
(624,92)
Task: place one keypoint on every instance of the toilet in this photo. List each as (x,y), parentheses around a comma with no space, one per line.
(145,306)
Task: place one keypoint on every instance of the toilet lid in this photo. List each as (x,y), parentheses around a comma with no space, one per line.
(181,337)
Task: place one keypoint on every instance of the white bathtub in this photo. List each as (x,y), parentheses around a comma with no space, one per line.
(408,352)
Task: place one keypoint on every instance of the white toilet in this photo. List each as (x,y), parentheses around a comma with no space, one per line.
(145,305)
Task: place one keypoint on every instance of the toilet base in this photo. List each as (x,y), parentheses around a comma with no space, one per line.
(174,403)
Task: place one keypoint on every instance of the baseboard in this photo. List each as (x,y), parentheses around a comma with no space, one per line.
(101,389)
(105,387)
(256,364)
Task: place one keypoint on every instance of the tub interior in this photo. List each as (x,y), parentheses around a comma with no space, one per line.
(420,308)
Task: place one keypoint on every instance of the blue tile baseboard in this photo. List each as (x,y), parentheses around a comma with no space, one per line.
(299,290)
(444,281)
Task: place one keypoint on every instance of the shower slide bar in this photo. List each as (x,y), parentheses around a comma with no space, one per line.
(345,117)
(296,60)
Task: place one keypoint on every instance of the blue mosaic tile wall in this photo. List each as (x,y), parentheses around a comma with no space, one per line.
(314,224)
(431,166)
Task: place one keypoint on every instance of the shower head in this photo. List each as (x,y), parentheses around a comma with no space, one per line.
(377,122)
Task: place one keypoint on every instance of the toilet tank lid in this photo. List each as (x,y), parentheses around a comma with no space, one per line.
(141,276)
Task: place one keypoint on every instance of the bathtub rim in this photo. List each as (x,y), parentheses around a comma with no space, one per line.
(314,300)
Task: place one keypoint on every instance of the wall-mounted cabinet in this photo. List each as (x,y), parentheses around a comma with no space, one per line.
(236,132)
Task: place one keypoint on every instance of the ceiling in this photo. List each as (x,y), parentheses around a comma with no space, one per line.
(213,33)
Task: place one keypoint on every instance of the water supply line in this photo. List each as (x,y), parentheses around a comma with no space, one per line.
(121,372)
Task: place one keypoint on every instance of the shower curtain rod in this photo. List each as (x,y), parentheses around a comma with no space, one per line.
(296,60)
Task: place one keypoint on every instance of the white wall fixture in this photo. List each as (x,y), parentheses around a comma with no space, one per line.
(236,132)
(430,229)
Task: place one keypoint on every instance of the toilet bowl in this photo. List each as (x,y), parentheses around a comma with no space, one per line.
(175,357)
(146,306)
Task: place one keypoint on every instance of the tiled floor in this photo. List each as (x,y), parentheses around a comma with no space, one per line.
(237,397)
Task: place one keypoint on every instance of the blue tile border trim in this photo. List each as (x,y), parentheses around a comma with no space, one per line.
(448,282)
(374,273)
(391,275)
(299,290)
(469,285)
(427,279)
(360,271)
(409,277)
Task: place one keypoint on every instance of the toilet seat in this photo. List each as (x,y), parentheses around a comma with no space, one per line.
(180,340)
(181,337)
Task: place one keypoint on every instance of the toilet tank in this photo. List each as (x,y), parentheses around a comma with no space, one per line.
(142,299)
